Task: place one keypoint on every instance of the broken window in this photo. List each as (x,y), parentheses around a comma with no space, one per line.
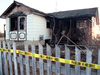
(17,23)
(22,23)
(14,24)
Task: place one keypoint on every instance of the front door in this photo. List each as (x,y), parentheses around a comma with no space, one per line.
(18,28)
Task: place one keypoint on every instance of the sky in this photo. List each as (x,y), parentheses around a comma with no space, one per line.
(48,6)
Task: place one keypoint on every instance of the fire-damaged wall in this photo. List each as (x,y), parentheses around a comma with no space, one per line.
(78,30)
(85,31)
(77,25)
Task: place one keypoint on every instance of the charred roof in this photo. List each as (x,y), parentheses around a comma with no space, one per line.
(15,3)
(59,15)
(17,14)
(75,13)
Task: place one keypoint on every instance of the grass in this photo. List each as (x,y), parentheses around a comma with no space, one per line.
(1,38)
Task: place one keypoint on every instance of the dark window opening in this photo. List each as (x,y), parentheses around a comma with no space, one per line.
(22,23)
(48,24)
(74,32)
(14,24)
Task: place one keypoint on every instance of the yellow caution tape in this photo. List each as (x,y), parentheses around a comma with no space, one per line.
(51,58)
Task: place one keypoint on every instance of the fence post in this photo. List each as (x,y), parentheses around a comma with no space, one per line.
(21,64)
(67,56)
(48,61)
(98,71)
(33,60)
(5,62)
(10,62)
(88,60)
(26,58)
(57,63)
(15,58)
(41,60)
(77,58)
(0,61)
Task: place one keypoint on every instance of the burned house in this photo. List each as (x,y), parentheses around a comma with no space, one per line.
(24,23)
(75,24)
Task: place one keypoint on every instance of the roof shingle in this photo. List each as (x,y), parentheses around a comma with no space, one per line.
(75,13)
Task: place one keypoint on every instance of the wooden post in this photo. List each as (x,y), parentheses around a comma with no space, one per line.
(26,58)
(57,63)
(4,32)
(88,60)
(15,58)
(77,58)
(21,64)
(48,61)
(10,62)
(98,71)
(41,60)
(67,56)
(5,62)
(33,60)
(0,61)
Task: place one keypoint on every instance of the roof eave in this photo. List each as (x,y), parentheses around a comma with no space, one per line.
(7,10)
(3,17)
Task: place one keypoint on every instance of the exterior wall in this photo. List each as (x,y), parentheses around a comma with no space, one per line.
(30,30)
(97,18)
(7,28)
(93,27)
(36,26)
(40,28)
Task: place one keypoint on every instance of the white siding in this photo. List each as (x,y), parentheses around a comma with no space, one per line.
(36,26)
(40,28)
(7,27)
(30,29)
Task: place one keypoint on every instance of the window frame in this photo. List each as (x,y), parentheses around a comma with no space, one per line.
(19,22)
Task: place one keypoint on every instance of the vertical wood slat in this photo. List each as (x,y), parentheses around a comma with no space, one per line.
(10,62)
(0,61)
(48,61)
(98,71)
(5,62)
(57,63)
(77,58)
(21,64)
(67,56)
(15,58)
(26,58)
(88,60)
(33,60)
(41,60)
